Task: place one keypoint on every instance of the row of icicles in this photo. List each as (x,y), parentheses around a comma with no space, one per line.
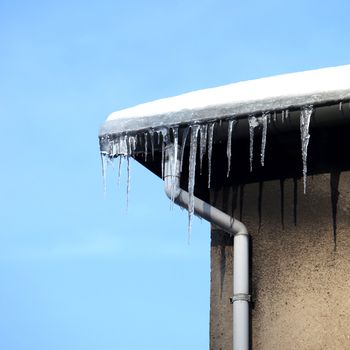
(124,146)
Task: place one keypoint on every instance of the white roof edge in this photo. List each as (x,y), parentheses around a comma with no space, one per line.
(246,97)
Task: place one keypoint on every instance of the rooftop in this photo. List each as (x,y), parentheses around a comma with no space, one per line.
(287,91)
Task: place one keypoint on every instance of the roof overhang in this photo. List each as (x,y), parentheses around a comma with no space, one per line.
(327,90)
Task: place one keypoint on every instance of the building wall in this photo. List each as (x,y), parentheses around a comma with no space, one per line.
(300,278)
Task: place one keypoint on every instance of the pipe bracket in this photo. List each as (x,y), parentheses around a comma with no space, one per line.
(241,297)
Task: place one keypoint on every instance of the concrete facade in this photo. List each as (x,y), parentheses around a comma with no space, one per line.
(300,277)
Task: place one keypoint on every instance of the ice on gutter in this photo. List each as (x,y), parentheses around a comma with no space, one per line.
(156,123)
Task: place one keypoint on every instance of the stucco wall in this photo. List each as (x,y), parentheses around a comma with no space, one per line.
(300,282)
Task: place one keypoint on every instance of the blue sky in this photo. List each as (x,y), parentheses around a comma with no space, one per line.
(76,270)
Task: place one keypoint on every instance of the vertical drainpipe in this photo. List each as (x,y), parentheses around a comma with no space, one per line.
(241,297)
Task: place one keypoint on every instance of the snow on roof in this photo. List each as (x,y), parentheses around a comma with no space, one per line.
(243,98)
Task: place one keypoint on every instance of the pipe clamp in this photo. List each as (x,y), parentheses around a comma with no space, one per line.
(240,296)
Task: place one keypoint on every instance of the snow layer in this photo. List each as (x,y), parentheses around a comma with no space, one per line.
(247,97)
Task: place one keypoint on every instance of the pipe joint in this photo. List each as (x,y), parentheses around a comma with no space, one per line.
(241,297)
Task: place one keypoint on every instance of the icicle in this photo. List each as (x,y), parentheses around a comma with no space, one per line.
(119,168)
(340,106)
(163,159)
(210,149)
(287,114)
(151,134)
(164,133)
(114,149)
(263,121)
(104,160)
(184,138)
(132,145)
(123,145)
(158,137)
(282,116)
(192,173)
(128,183)
(146,146)
(274,116)
(231,123)
(305,116)
(253,123)
(174,165)
(203,143)
(176,140)
(137,137)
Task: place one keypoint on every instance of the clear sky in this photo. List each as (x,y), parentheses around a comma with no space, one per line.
(76,270)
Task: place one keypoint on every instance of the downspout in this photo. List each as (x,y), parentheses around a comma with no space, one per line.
(241,297)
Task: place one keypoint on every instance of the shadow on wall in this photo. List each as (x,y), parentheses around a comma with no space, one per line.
(232,200)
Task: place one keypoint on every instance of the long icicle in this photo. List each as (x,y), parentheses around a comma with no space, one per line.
(131,147)
(210,149)
(305,117)
(174,165)
(164,133)
(119,169)
(128,182)
(151,134)
(104,173)
(146,145)
(163,158)
(231,123)
(203,144)
(184,139)
(264,120)
(253,123)
(192,173)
